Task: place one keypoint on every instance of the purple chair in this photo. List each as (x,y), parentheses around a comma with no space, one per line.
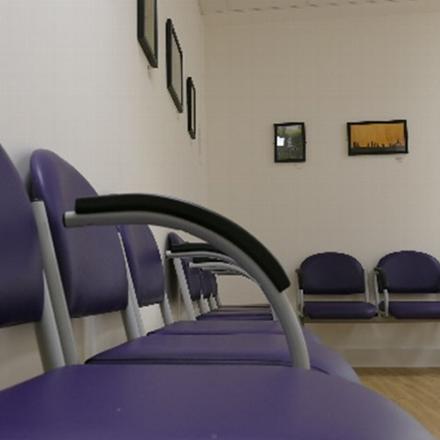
(409,274)
(332,275)
(193,289)
(134,402)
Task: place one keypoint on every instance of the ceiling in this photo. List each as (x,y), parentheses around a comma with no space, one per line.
(209,7)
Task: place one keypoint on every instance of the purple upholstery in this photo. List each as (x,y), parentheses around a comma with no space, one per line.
(331,273)
(227,327)
(91,262)
(410,272)
(339,310)
(414,309)
(158,402)
(145,263)
(236,316)
(226,349)
(21,276)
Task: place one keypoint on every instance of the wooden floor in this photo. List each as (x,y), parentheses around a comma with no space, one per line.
(416,390)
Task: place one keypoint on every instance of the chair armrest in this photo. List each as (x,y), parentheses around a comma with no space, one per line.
(225,235)
(381,287)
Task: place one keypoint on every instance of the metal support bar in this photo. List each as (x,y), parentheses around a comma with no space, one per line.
(184,289)
(55,285)
(131,315)
(212,303)
(165,308)
(47,335)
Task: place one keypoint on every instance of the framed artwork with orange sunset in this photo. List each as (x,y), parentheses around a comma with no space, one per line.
(377,137)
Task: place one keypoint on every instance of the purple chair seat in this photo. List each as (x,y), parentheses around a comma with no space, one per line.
(339,310)
(252,315)
(243,309)
(414,309)
(198,402)
(242,349)
(227,327)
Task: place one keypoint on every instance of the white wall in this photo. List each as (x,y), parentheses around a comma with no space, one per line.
(74,79)
(327,67)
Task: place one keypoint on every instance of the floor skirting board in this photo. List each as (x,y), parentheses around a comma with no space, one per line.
(392,357)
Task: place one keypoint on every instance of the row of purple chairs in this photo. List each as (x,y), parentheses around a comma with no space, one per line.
(170,384)
(408,281)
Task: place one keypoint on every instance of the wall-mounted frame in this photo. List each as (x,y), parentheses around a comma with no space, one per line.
(174,58)
(147,29)
(377,137)
(191,107)
(290,142)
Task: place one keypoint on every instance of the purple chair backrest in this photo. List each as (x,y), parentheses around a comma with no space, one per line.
(145,263)
(332,273)
(193,276)
(209,284)
(411,272)
(21,270)
(91,262)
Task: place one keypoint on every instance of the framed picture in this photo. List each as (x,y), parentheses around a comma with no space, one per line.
(147,29)
(191,107)
(290,142)
(174,66)
(377,137)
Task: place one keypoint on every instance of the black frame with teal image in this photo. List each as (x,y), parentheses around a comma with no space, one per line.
(296,150)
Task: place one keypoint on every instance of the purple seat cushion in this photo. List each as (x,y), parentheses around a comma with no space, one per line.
(243,309)
(414,309)
(248,313)
(227,327)
(236,316)
(129,402)
(243,349)
(339,310)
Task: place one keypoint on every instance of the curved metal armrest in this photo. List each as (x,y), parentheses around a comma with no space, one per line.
(200,254)
(220,266)
(225,235)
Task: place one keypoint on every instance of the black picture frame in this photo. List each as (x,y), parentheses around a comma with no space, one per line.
(289,142)
(147,30)
(377,137)
(191,107)
(174,58)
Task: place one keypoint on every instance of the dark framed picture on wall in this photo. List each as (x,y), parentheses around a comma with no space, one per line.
(147,29)
(174,58)
(378,137)
(191,107)
(290,142)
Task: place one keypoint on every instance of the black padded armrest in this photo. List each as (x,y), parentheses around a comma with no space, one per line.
(192,247)
(381,279)
(193,213)
(202,260)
